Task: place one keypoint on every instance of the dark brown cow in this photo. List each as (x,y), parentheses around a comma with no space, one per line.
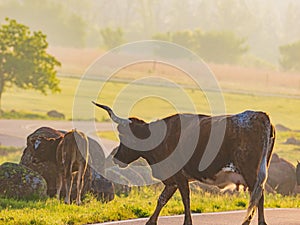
(244,139)
(298,172)
(72,156)
(43,143)
(40,155)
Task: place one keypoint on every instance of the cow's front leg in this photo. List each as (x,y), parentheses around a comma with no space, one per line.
(164,197)
(184,189)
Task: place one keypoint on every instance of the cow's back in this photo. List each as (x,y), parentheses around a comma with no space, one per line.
(72,148)
(239,139)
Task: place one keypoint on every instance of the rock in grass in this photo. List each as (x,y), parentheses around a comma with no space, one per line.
(20,182)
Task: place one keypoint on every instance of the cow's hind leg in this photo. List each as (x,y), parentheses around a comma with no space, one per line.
(80,181)
(59,184)
(184,189)
(164,197)
(68,184)
(261,216)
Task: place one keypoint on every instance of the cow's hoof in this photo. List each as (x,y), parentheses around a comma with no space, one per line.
(151,223)
(246,223)
(262,223)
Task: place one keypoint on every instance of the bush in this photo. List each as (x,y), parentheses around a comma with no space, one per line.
(112,37)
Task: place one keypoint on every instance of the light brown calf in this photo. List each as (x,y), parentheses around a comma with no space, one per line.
(72,157)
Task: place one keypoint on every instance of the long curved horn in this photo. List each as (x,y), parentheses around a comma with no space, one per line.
(112,115)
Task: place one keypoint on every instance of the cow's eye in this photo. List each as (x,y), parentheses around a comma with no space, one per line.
(37,144)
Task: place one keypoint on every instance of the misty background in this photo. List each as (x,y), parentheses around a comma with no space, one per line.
(263,25)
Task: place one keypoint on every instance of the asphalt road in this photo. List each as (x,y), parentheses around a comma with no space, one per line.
(273,217)
(15,132)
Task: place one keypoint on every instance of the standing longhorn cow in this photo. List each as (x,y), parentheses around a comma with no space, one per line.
(197,147)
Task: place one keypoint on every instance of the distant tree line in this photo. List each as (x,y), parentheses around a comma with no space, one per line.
(213,46)
(90,23)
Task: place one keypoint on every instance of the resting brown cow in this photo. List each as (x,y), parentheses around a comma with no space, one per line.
(197,146)
(282,175)
(72,156)
(225,178)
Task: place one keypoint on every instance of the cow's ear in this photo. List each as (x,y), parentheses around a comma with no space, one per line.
(298,161)
(54,140)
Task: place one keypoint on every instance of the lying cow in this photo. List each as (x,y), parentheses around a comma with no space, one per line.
(72,156)
(224,178)
(245,139)
(282,175)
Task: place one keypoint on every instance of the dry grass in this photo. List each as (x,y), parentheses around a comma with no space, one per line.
(257,80)
(75,61)
(230,77)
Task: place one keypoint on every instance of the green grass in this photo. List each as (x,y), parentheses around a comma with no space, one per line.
(22,115)
(111,135)
(137,204)
(10,154)
(147,102)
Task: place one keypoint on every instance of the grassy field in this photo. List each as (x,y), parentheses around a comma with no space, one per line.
(269,91)
(146,101)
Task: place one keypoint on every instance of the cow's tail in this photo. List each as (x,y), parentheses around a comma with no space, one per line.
(263,170)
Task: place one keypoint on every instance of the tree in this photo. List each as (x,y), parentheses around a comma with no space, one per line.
(112,37)
(290,56)
(24,61)
(220,46)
